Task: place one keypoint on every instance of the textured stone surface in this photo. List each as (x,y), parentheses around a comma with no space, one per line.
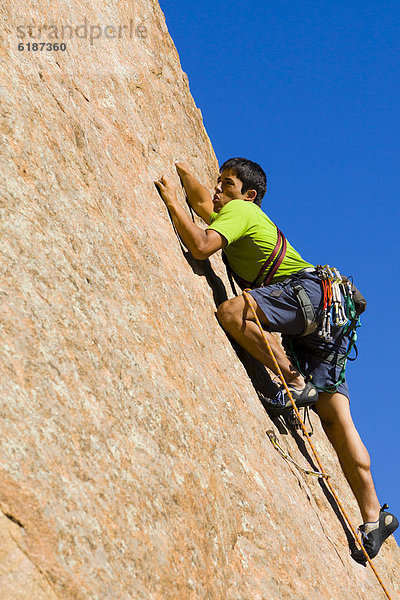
(134,457)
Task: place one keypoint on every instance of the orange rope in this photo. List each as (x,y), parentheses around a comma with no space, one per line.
(321,468)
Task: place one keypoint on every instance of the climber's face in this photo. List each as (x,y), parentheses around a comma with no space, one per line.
(228,188)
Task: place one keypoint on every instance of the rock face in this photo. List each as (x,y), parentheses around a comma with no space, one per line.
(134,457)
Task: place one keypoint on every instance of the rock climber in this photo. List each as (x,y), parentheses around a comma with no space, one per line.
(249,239)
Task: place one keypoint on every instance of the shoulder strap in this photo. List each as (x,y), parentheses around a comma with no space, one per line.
(275,260)
(270,266)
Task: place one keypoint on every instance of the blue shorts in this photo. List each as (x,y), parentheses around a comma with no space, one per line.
(279,303)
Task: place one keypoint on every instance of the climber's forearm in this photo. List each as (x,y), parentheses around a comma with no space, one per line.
(191,234)
(201,244)
(197,194)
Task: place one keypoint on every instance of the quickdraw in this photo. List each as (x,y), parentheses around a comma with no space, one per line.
(274,440)
(334,313)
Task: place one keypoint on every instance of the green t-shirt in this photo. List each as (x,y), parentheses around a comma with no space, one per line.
(251,238)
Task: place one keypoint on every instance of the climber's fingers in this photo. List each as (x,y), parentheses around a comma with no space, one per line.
(165,183)
(166,189)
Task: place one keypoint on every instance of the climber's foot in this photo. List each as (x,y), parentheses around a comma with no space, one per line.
(373,534)
(281,404)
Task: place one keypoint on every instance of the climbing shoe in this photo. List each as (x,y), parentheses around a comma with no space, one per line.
(280,403)
(373,534)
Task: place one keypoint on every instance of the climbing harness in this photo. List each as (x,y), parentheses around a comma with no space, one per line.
(345,314)
(321,468)
(269,268)
(272,436)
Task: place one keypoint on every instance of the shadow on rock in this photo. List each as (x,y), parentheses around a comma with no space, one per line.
(203,268)
(257,373)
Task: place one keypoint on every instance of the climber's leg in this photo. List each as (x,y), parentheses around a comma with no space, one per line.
(237,319)
(334,412)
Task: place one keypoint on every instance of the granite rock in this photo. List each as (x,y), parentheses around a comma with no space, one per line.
(134,457)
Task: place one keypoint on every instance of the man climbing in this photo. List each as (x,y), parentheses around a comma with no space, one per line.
(288,296)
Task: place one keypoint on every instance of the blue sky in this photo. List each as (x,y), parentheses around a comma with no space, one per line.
(310,90)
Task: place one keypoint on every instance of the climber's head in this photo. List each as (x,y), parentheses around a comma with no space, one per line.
(239,178)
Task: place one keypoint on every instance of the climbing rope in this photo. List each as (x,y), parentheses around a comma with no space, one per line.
(303,427)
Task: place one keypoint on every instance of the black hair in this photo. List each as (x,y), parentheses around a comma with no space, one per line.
(250,174)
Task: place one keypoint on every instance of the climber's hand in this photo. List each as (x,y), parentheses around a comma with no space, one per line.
(167,191)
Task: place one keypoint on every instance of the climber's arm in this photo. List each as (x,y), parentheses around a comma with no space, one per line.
(201,244)
(198,195)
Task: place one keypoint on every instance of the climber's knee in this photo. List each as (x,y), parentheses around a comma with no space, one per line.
(234,312)
(334,409)
(231,313)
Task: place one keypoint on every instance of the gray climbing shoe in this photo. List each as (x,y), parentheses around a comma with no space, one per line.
(374,534)
(280,403)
